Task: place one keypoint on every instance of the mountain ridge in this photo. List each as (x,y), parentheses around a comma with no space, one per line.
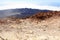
(23,12)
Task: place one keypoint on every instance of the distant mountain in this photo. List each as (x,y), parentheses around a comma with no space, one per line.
(21,13)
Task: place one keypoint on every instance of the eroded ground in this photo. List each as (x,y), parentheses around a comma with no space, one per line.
(28,29)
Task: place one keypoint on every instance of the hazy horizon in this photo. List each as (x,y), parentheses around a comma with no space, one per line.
(37,4)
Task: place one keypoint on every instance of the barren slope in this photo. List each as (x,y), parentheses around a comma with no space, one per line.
(30,29)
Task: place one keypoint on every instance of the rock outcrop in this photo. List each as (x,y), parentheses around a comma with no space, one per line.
(43,15)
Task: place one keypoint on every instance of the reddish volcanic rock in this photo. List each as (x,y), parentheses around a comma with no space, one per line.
(43,15)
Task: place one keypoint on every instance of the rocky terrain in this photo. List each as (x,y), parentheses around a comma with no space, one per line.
(41,26)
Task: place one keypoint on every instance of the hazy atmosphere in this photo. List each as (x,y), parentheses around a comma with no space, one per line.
(29,19)
(38,4)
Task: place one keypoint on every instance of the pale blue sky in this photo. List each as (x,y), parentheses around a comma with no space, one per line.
(38,2)
(55,3)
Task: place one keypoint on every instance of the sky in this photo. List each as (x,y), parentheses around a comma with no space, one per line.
(37,4)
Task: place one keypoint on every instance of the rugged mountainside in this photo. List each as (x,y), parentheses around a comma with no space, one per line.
(21,13)
(38,15)
(43,15)
(40,26)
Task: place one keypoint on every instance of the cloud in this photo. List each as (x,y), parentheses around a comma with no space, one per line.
(13,5)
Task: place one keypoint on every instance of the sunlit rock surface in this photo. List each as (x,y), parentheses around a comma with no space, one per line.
(36,27)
